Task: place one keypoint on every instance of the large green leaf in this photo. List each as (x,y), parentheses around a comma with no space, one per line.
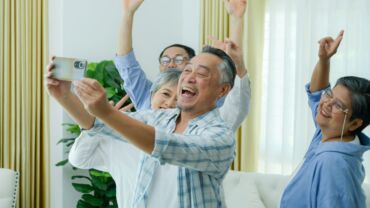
(92,200)
(91,67)
(99,72)
(111,192)
(82,204)
(99,173)
(62,163)
(83,188)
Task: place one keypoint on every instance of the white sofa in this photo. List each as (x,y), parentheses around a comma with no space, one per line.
(8,188)
(257,190)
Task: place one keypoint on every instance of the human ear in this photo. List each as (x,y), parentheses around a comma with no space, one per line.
(355,124)
(224,89)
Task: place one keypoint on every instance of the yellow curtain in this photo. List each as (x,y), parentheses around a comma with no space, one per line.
(24,145)
(214,21)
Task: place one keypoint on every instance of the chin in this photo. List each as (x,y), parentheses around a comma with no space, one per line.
(185,108)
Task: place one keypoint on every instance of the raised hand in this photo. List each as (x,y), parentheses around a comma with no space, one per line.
(130,6)
(93,97)
(56,88)
(233,50)
(120,103)
(236,8)
(328,46)
(216,43)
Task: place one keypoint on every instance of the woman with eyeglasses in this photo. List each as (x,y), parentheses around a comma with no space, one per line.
(332,173)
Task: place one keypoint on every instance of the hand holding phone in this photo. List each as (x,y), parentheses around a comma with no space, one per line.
(69,69)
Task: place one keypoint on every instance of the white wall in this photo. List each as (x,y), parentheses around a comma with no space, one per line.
(88,29)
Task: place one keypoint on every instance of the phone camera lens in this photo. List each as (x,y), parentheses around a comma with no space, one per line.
(79,65)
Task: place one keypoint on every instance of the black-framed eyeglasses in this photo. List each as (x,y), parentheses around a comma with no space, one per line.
(338,106)
(179,59)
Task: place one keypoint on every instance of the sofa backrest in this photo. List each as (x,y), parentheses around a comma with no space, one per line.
(259,190)
(8,188)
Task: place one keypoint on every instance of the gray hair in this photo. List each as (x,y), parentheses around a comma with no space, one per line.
(360,98)
(170,76)
(227,68)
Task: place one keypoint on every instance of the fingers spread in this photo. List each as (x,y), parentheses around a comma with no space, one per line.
(122,101)
(127,108)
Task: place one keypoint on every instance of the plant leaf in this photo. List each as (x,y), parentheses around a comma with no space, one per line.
(83,188)
(62,163)
(111,91)
(80,176)
(72,128)
(99,173)
(82,204)
(100,183)
(92,200)
(70,144)
(64,140)
(111,192)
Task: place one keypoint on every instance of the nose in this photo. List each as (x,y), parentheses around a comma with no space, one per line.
(172,64)
(190,77)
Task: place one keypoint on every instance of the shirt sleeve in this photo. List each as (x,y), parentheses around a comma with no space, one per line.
(210,152)
(237,103)
(90,152)
(99,146)
(136,84)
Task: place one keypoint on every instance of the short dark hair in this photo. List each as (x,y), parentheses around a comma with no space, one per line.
(189,51)
(360,97)
(227,67)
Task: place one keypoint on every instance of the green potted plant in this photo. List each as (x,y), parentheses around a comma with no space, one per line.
(98,188)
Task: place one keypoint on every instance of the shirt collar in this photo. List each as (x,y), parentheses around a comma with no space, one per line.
(198,121)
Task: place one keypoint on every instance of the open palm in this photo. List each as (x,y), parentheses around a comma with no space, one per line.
(236,7)
(131,5)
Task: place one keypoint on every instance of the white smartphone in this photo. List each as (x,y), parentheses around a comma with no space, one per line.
(69,69)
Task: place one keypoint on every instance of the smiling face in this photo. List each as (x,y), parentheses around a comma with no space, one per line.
(333,110)
(165,97)
(199,85)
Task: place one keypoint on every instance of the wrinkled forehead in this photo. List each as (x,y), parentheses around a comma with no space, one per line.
(206,59)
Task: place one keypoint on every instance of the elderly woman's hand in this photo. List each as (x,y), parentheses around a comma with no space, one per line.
(120,103)
(328,46)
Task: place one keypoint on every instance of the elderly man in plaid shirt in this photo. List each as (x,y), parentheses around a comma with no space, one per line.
(184,152)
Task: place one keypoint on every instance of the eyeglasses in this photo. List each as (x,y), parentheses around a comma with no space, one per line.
(338,106)
(179,59)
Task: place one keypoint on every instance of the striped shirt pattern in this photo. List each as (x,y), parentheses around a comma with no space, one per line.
(203,154)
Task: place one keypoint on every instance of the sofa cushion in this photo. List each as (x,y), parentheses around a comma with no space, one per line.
(6,202)
(241,191)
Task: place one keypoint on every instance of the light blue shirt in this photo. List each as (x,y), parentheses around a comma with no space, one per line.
(331,174)
(233,109)
(203,154)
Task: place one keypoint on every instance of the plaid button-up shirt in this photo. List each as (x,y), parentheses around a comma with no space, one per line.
(203,154)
